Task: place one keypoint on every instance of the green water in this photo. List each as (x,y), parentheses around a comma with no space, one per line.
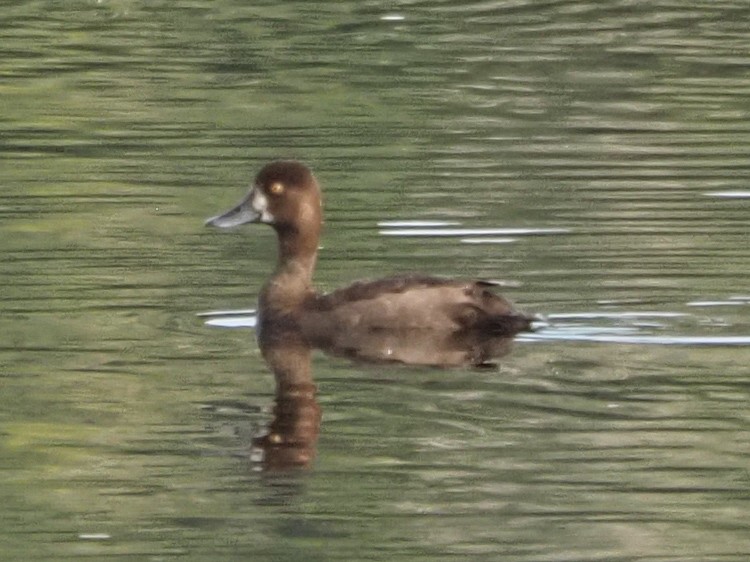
(611,136)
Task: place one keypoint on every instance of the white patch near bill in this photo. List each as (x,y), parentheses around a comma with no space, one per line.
(259,204)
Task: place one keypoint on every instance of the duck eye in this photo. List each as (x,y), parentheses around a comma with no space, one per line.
(276,188)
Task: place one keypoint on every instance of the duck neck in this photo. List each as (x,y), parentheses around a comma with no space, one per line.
(298,252)
(292,282)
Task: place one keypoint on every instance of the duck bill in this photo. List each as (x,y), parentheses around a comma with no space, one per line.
(241,214)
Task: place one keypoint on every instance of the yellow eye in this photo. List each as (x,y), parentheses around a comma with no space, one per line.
(276,188)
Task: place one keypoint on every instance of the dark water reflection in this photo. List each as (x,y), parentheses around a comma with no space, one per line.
(290,441)
(620,129)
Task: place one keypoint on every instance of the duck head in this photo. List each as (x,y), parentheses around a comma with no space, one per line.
(284,194)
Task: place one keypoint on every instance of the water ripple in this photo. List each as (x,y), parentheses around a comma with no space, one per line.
(729,194)
(448,232)
(640,340)
(639,328)
(245,318)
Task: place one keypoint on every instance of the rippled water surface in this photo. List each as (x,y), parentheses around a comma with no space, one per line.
(591,156)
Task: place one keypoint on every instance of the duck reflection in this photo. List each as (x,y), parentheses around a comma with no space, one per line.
(292,435)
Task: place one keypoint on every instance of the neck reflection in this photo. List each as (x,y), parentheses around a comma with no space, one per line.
(292,435)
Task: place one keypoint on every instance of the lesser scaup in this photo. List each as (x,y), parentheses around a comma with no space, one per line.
(286,195)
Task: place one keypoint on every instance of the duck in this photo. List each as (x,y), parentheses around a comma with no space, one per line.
(286,196)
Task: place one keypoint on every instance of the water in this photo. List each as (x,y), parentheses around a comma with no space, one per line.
(590,155)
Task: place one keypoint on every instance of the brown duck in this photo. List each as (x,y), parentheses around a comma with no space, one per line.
(432,310)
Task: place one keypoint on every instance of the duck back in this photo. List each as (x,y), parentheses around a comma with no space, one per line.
(407,303)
